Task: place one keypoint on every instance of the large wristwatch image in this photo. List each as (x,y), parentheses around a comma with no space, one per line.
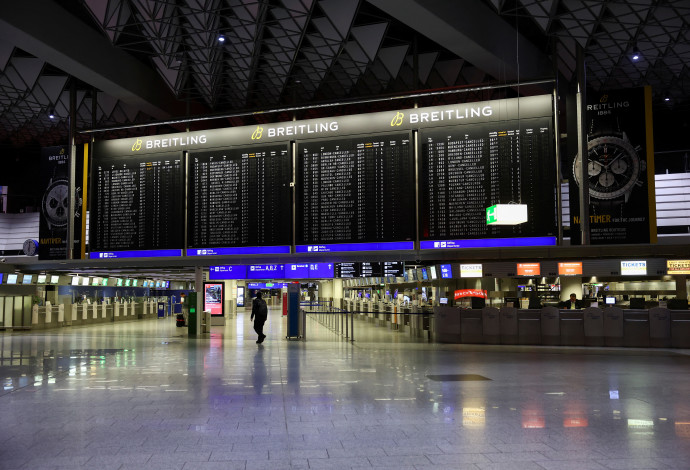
(614,167)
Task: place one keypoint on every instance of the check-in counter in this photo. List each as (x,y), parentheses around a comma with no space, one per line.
(471,330)
(593,326)
(529,326)
(446,324)
(659,327)
(680,329)
(636,328)
(491,325)
(509,325)
(572,329)
(550,328)
(614,326)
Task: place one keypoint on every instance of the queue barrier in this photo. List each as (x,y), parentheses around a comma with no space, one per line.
(63,315)
(612,326)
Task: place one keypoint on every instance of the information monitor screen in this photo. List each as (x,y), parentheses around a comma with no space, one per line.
(138,203)
(355,190)
(467,168)
(240,197)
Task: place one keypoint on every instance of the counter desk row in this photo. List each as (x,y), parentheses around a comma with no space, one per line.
(550,326)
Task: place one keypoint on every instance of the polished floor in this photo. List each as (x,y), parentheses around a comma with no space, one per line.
(140,395)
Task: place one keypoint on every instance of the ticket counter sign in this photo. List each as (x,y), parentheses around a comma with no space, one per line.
(573,268)
(529,269)
(470,270)
(678,266)
(633,268)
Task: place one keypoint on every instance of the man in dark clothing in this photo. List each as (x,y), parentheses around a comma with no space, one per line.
(259,315)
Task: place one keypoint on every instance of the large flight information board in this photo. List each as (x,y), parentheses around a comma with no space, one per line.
(353,190)
(240,197)
(137,203)
(466,169)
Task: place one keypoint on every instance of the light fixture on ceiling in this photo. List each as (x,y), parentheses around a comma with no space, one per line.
(51,114)
(636,53)
(221,38)
(667,97)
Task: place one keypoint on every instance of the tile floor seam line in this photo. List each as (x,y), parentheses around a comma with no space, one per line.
(282,393)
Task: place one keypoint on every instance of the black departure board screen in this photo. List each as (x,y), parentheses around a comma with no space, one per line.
(239,197)
(466,169)
(138,203)
(353,190)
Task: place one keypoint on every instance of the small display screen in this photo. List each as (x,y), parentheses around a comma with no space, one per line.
(75,280)
(443,300)
(54,279)
(28,278)
(610,301)
(41,279)
(11,278)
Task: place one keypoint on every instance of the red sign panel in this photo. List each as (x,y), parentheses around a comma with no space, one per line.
(470,293)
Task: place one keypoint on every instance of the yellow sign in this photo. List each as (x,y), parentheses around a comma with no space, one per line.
(397,119)
(258,133)
(137,146)
(678,266)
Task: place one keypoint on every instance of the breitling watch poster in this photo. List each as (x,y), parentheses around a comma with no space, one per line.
(54,204)
(620,169)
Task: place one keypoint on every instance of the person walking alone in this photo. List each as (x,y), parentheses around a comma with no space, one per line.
(259,315)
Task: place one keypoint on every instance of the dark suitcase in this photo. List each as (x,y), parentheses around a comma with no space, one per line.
(180,320)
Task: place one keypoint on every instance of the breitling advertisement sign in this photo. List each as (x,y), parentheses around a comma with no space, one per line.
(54,204)
(620,168)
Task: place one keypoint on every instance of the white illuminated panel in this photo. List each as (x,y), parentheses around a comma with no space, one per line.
(470,270)
(506,214)
(633,268)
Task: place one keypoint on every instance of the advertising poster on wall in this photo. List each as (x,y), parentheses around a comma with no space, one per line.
(54,171)
(620,169)
(213,298)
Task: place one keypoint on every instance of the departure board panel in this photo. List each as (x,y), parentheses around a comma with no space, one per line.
(138,203)
(239,197)
(354,190)
(466,169)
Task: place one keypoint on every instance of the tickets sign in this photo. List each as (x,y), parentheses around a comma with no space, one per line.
(459,294)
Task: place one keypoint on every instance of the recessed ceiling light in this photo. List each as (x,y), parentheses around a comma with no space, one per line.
(221,38)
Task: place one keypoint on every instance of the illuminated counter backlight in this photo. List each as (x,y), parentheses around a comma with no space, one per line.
(487,243)
(134,254)
(239,250)
(336,247)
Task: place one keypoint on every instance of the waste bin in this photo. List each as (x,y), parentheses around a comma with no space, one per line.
(491,325)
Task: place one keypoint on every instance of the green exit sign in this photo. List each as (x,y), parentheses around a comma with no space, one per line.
(491,216)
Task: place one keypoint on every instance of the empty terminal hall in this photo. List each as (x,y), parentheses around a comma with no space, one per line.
(318,234)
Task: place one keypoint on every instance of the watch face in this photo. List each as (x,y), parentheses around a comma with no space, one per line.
(612,167)
(55,204)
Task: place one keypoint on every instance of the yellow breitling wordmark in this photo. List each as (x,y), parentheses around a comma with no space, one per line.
(397,119)
(137,146)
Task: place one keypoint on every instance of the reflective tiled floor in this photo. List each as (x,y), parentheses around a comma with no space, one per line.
(140,395)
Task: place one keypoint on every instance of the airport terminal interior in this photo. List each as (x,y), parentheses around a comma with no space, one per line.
(400,182)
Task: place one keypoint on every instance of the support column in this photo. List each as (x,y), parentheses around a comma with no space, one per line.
(582,145)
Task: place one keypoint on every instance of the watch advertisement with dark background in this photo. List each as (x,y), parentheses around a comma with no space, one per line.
(618,127)
(52,229)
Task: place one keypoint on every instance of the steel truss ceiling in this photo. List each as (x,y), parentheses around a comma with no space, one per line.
(167,58)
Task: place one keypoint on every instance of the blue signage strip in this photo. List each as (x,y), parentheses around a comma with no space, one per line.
(488,243)
(134,254)
(297,271)
(218,273)
(267,285)
(321,270)
(383,246)
(446,271)
(239,250)
(265,271)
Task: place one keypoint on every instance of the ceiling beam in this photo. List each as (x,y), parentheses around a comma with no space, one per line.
(51,33)
(474,32)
